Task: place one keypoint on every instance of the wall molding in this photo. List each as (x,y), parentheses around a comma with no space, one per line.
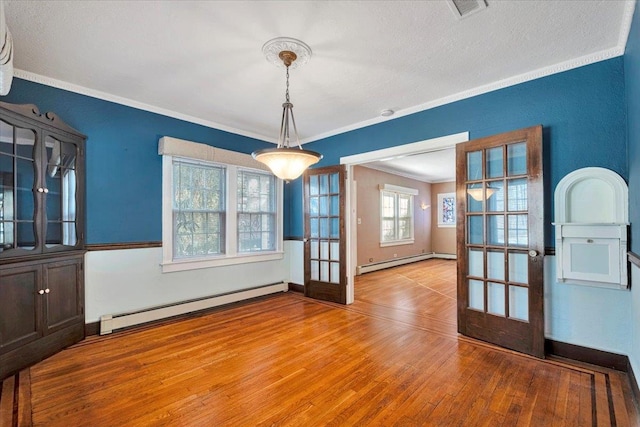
(633,258)
(634,383)
(70,87)
(119,246)
(295,287)
(605,359)
(91,328)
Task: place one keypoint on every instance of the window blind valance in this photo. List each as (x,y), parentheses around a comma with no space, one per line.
(168,146)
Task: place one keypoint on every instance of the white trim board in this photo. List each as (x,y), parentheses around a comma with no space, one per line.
(433,144)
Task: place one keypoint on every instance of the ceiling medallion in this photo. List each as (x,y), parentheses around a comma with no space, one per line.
(273,47)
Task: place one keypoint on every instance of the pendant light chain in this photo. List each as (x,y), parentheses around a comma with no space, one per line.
(287,92)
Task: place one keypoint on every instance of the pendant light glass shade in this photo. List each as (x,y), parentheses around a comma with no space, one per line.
(285,162)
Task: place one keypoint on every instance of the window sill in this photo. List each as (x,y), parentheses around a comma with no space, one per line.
(397,243)
(446,225)
(194,264)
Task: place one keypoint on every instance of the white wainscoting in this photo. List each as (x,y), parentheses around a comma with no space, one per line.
(294,256)
(120,281)
(587,316)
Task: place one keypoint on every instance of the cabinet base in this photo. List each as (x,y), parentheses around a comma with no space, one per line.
(32,353)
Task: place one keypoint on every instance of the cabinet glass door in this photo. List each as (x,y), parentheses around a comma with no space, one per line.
(61,191)
(17,183)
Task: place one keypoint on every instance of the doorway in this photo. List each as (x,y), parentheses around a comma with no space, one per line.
(427,146)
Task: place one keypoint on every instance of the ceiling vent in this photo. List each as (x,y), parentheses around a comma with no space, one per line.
(463,8)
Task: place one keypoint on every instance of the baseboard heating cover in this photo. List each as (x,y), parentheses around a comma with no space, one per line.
(111,322)
(367,268)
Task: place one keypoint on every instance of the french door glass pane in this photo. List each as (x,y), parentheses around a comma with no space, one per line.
(475,195)
(517,159)
(314,209)
(335,251)
(494,162)
(324,206)
(315,270)
(495,265)
(335,183)
(324,184)
(519,267)
(474,165)
(335,272)
(495,297)
(517,191)
(313,185)
(495,230)
(335,228)
(519,303)
(315,250)
(324,228)
(324,270)
(475,230)
(324,249)
(335,206)
(518,230)
(495,196)
(476,262)
(314,228)
(476,294)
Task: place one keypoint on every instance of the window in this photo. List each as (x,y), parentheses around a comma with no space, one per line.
(256,211)
(219,208)
(396,215)
(198,209)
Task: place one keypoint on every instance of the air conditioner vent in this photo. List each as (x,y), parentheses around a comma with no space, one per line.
(464,8)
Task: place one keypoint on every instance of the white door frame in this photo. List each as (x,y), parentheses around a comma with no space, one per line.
(428,145)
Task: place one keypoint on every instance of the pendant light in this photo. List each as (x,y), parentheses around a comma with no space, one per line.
(286,162)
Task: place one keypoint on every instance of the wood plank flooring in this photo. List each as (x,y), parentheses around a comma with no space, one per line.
(391,359)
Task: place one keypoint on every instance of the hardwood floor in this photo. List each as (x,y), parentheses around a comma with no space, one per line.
(391,358)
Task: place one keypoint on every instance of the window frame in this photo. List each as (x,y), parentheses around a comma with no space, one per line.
(397,192)
(231,256)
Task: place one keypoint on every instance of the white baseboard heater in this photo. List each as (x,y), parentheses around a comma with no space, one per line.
(111,322)
(367,268)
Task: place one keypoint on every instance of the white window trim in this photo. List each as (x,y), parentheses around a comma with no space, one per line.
(171,148)
(390,188)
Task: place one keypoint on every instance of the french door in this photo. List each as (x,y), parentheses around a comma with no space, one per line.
(500,234)
(324,234)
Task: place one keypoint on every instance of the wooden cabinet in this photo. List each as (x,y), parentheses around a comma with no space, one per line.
(41,236)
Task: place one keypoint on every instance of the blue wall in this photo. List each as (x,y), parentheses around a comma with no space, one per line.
(582,111)
(632,86)
(124,170)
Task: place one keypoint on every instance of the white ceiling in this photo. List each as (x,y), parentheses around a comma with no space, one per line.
(202,61)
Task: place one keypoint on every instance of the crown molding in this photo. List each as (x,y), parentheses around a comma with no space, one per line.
(59,84)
